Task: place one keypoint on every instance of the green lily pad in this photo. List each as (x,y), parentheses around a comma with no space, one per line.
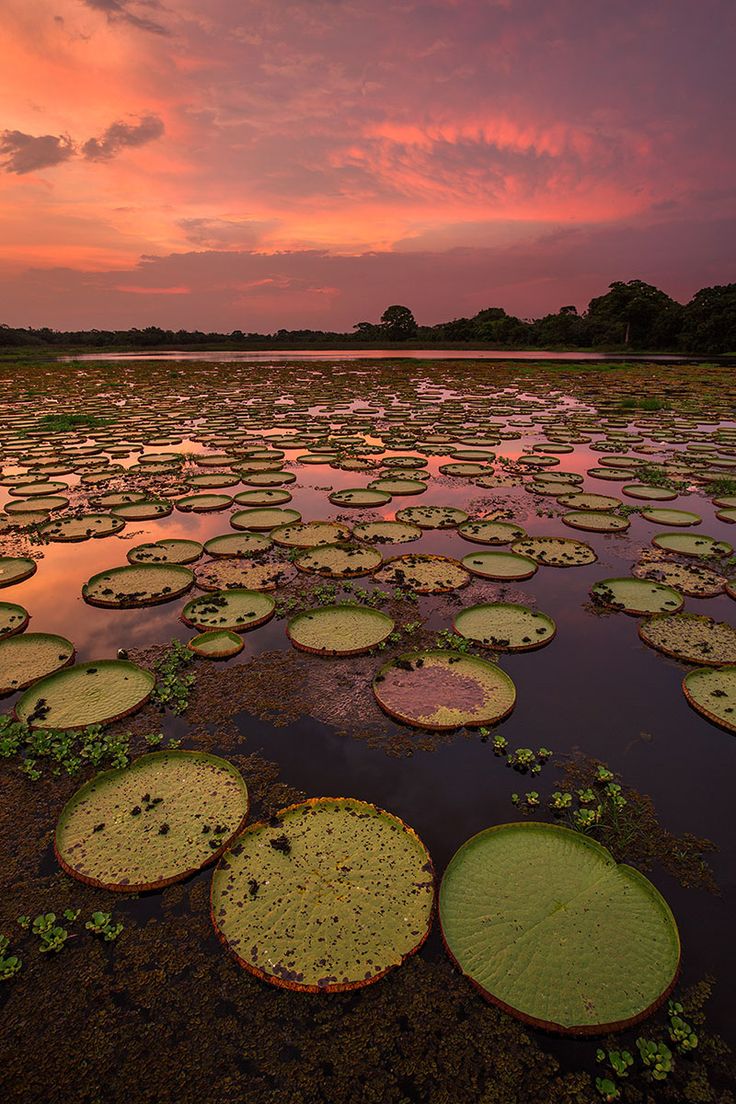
(88,693)
(143,511)
(344,629)
(424,574)
(73,529)
(692,638)
(586,500)
(218,644)
(359,498)
(490,531)
(441,690)
(236,545)
(237,610)
(32,656)
(329,897)
(137,585)
(386,532)
(266,496)
(396,486)
(339,561)
(13,619)
(712,692)
(550,928)
(555,551)
(163,818)
(14,569)
(505,626)
(691,544)
(499,565)
(596,521)
(309,534)
(261,520)
(663,516)
(168,551)
(691,579)
(636,596)
(651,494)
(432,517)
(225,573)
(203,503)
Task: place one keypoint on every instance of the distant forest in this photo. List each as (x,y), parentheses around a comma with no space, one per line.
(632,315)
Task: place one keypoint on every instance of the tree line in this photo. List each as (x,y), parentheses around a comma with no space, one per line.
(632,315)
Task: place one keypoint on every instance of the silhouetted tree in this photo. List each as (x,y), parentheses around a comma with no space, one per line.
(709,320)
(634,313)
(398,323)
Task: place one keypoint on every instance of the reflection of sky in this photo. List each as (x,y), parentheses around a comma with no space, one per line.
(596,687)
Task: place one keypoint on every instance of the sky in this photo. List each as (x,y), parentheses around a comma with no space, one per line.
(257,164)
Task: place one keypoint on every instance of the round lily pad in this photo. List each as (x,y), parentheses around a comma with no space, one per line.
(339,561)
(712,692)
(142,511)
(727,514)
(586,500)
(225,573)
(432,517)
(386,532)
(166,816)
(499,565)
(396,486)
(261,520)
(636,596)
(549,927)
(309,534)
(217,644)
(137,585)
(88,693)
(359,498)
(265,496)
(236,545)
(168,551)
(490,531)
(692,638)
(596,521)
(424,574)
(203,503)
(13,619)
(32,656)
(691,544)
(664,516)
(691,579)
(555,551)
(229,609)
(505,626)
(74,529)
(651,494)
(442,690)
(329,896)
(344,629)
(14,569)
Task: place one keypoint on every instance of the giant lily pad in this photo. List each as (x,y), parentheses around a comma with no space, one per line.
(13,619)
(168,551)
(424,574)
(166,816)
(339,561)
(499,565)
(432,517)
(309,534)
(88,693)
(550,928)
(263,519)
(226,573)
(82,528)
(505,626)
(32,656)
(217,644)
(636,596)
(345,629)
(386,532)
(137,585)
(14,569)
(555,551)
(229,609)
(664,516)
(237,544)
(691,544)
(596,521)
(442,690)
(692,638)
(689,578)
(712,692)
(490,531)
(359,498)
(328,897)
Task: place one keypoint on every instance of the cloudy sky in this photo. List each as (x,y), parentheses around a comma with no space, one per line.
(262,163)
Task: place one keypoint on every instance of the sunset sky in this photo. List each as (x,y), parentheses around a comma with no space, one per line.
(254,164)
